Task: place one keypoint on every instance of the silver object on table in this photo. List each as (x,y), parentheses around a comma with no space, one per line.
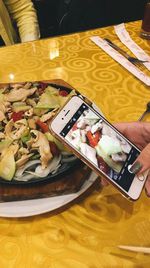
(145,112)
(133,60)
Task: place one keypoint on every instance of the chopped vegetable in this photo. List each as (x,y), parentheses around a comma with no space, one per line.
(98,142)
(42,87)
(17,116)
(43,126)
(5,144)
(25,138)
(54,149)
(49,99)
(112,164)
(20,106)
(25,112)
(93,138)
(110,145)
(59,144)
(63,93)
(7,166)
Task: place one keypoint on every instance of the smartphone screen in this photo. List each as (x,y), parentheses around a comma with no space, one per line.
(94,138)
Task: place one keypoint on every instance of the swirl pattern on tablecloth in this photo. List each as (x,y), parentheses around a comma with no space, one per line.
(87,234)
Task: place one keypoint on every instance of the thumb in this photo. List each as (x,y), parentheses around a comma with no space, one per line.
(142,162)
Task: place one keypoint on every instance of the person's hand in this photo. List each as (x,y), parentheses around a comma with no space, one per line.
(139,134)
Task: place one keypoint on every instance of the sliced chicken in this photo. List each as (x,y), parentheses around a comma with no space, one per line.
(2,116)
(121,157)
(89,152)
(106,130)
(41,142)
(19,94)
(15,130)
(23,160)
(47,116)
(96,127)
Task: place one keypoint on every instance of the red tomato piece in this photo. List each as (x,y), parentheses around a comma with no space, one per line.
(74,127)
(43,126)
(63,93)
(17,116)
(93,138)
(42,87)
(54,149)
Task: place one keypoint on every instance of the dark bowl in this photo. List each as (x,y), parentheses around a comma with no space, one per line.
(65,169)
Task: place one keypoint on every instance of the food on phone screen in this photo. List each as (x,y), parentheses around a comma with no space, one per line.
(99,143)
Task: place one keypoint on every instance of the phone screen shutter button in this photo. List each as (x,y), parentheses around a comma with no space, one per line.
(129,168)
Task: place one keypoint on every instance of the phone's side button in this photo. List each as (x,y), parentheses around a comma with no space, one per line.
(141,177)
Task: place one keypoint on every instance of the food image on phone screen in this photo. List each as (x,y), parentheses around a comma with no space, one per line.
(92,136)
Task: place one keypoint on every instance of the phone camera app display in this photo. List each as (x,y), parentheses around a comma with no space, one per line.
(101,144)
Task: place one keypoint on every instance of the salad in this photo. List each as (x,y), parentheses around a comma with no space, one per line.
(27,148)
(99,143)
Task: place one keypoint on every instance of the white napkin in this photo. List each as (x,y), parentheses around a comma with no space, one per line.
(125,38)
(121,59)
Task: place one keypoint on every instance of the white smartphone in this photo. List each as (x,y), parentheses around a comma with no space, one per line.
(99,144)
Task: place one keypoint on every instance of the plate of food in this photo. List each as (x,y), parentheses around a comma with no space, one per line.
(37,173)
(29,153)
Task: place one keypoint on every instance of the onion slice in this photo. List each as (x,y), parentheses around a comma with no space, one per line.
(41,173)
(31,163)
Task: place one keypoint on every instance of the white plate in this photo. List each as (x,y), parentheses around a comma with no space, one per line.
(39,206)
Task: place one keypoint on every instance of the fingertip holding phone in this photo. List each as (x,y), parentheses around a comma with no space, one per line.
(135,167)
(100,145)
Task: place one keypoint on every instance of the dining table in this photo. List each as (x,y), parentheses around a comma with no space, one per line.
(87,232)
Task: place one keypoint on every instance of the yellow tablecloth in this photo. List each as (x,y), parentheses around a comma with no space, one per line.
(87,234)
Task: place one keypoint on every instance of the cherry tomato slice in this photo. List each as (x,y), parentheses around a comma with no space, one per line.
(17,116)
(43,126)
(93,138)
(63,93)
(42,87)
(54,149)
